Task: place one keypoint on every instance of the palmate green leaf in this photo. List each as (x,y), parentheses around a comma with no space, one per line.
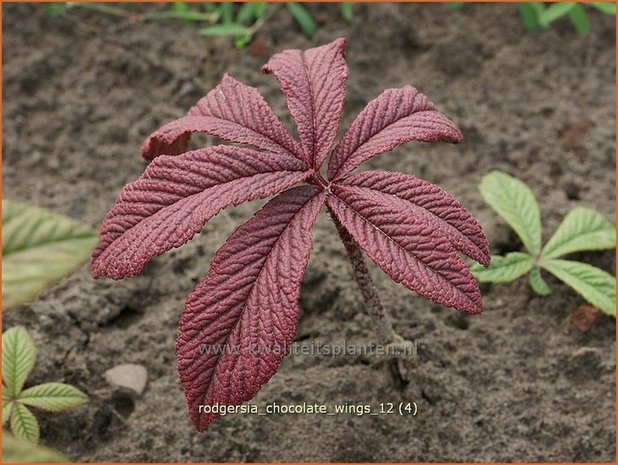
(53,397)
(38,249)
(23,424)
(504,269)
(579,19)
(18,357)
(303,18)
(18,451)
(609,8)
(515,203)
(581,229)
(593,284)
(555,11)
(537,283)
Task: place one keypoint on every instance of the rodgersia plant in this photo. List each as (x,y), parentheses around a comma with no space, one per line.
(238,323)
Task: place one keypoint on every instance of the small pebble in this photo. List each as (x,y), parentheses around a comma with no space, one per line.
(128,376)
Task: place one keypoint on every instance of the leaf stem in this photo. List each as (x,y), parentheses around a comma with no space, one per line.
(384,327)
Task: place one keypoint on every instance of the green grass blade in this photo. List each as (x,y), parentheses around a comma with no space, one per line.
(23,424)
(555,11)
(528,16)
(455,6)
(18,357)
(226,10)
(53,397)
(234,30)
(609,8)
(347,11)
(245,14)
(303,18)
(579,19)
(504,269)
(582,229)
(39,248)
(537,283)
(18,451)
(515,203)
(593,284)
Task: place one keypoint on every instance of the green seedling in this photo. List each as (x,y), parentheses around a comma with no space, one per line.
(537,15)
(39,248)
(239,21)
(582,229)
(18,357)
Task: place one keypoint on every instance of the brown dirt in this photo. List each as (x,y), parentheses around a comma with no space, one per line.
(518,383)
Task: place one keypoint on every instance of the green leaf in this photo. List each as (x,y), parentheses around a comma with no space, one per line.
(7,408)
(226,10)
(504,269)
(53,397)
(233,30)
(303,18)
(537,283)
(608,8)
(455,6)
(18,451)
(593,284)
(515,203)
(259,9)
(23,424)
(54,10)
(579,19)
(347,11)
(18,357)
(38,249)
(245,13)
(581,229)
(528,16)
(554,12)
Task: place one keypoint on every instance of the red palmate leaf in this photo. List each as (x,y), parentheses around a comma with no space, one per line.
(176,196)
(395,117)
(239,322)
(407,246)
(436,205)
(232,111)
(313,82)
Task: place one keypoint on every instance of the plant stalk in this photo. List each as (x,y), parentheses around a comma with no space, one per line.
(384,327)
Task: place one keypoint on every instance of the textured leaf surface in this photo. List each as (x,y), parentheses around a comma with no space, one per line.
(515,203)
(19,451)
(23,424)
(18,357)
(537,283)
(593,284)
(432,203)
(39,248)
(313,82)
(53,397)
(232,111)
(395,117)
(239,322)
(581,229)
(504,269)
(177,195)
(407,247)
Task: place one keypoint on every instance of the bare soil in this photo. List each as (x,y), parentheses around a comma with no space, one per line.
(518,383)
